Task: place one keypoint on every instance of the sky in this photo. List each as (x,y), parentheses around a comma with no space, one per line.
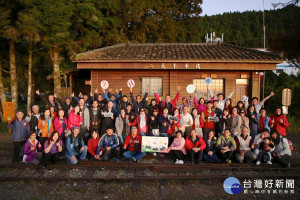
(213,7)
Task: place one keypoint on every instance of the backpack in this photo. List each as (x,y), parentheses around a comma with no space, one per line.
(290,143)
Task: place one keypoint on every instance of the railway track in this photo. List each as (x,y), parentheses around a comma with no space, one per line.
(109,171)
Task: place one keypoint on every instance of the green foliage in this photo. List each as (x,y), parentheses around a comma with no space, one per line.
(277,84)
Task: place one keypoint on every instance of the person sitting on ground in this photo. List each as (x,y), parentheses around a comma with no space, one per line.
(260,139)
(177,149)
(209,154)
(195,145)
(92,145)
(279,122)
(244,145)
(265,149)
(108,144)
(32,150)
(21,131)
(133,144)
(52,149)
(282,152)
(168,103)
(75,147)
(226,146)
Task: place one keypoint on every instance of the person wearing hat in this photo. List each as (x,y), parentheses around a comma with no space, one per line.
(75,147)
(132,144)
(177,150)
(109,144)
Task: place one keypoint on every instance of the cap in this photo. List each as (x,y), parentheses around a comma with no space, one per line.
(76,127)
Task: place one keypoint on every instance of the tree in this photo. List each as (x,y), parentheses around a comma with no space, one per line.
(27,25)
(8,30)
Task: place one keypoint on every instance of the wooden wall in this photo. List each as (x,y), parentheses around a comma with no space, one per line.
(172,79)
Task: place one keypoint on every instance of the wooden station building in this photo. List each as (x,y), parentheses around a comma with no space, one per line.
(165,66)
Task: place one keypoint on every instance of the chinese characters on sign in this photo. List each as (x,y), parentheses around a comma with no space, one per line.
(269,186)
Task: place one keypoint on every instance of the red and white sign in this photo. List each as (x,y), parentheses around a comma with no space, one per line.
(130,83)
(104,84)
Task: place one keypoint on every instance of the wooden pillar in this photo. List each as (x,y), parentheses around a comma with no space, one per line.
(256,84)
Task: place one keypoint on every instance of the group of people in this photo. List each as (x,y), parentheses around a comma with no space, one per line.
(103,126)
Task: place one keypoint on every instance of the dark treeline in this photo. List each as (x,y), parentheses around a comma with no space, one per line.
(40,36)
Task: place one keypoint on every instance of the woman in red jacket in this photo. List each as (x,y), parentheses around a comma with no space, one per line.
(93,145)
(279,122)
(75,118)
(206,115)
(195,145)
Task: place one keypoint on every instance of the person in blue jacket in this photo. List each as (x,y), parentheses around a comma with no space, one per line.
(75,147)
(21,130)
(111,97)
(108,144)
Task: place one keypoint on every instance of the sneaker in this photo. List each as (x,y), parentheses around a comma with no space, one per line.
(269,163)
(258,163)
(229,162)
(116,160)
(288,166)
(134,160)
(176,162)
(154,154)
(180,162)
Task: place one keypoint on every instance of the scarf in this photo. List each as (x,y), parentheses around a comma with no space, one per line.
(48,119)
(142,121)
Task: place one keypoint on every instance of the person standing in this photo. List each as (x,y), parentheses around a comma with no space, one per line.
(46,126)
(33,118)
(141,122)
(168,103)
(61,124)
(206,116)
(253,121)
(279,122)
(220,98)
(186,122)
(137,102)
(122,126)
(236,122)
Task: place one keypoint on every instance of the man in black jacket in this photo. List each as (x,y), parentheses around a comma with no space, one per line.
(138,102)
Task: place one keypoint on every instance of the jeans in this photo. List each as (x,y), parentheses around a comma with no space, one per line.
(164,135)
(121,140)
(115,151)
(136,155)
(283,160)
(143,134)
(212,159)
(226,156)
(193,154)
(82,156)
(264,156)
(256,151)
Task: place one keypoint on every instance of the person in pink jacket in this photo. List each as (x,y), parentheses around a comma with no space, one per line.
(60,124)
(177,150)
(75,118)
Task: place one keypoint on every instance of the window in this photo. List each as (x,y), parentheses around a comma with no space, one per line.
(242,81)
(151,83)
(217,86)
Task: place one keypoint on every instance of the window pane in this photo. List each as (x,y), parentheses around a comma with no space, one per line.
(151,83)
(217,86)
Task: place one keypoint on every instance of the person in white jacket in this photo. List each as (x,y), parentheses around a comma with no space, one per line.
(220,98)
